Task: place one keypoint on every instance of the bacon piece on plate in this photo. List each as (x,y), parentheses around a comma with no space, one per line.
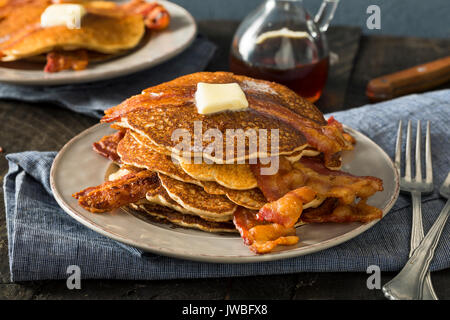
(268,245)
(277,185)
(133,103)
(107,146)
(360,212)
(274,224)
(327,139)
(311,172)
(114,194)
(261,236)
(156,17)
(287,210)
(63,60)
(333,122)
(337,184)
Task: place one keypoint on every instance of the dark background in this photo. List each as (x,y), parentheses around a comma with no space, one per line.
(417,18)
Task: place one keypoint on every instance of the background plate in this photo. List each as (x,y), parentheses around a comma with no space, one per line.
(154,49)
(76,167)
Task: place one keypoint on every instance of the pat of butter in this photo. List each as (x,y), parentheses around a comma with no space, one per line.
(215,97)
(65,14)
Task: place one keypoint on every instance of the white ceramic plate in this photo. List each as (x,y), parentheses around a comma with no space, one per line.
(155,49)
(77,167)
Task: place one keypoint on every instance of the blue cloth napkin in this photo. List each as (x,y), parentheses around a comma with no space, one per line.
(44,240)
(93,98)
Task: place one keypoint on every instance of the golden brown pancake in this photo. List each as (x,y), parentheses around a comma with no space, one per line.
(159,111)
(232,176)
(105,33)
(256,91)
(194,199)
(158,124)
(165,214)
(133,153)
(250,199)
(15,15)
(160,196)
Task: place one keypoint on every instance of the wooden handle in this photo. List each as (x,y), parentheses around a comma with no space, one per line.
(415,79)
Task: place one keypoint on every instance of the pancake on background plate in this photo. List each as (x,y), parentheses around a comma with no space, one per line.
(229,191)
(106,30)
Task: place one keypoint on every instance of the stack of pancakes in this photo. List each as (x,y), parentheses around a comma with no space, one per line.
(104,30)
(107,30)
(203,195)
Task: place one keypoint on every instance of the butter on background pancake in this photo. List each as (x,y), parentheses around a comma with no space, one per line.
(108,33)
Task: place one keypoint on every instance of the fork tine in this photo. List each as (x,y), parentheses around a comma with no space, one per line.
(428,164)
(408,153)
(418,153)
(398,148)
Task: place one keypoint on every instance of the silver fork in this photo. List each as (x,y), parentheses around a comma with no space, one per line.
(399,287)
(409,283)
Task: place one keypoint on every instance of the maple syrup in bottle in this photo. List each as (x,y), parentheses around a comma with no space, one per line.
(307,80)
(280,42)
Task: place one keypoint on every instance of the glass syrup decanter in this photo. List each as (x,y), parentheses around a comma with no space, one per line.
(280,42)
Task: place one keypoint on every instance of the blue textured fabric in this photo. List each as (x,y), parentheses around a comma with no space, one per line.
(43,240)
(93,98)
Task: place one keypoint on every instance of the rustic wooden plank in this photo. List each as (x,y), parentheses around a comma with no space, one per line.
(379,55)
(353,285)
(326,286)
(210,289)
(278,287)
(15,292)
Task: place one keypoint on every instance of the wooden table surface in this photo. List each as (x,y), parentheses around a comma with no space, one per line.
(26,126)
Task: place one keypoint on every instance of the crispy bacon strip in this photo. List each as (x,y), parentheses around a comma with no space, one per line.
(287,210)
(333,122)
(156,17)
(274,224)
(175,96)
(311,172)
(340,187)
(337,184)
(260,236)
(327,139)
(360,212)
(275,186)
(63,60)
(136,102)
(107,146)
(114,194)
